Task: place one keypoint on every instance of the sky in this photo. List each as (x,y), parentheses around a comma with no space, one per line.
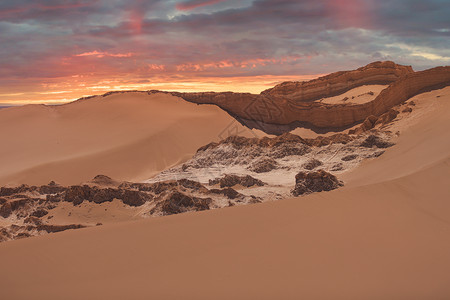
(54,51)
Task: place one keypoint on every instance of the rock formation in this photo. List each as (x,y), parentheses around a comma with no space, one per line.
(338,83)
(312,164)
(291,104)
(315,181)
(176,203)
(294,104)
(232,180)
(28,209)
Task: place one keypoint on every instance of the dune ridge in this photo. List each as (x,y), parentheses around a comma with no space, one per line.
(129,138)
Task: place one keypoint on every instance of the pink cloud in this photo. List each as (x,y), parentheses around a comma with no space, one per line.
(250,63)
(192,4)
(103,54)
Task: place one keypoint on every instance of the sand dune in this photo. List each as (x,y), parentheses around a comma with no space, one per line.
(127,136)
(383,236)
(424,141)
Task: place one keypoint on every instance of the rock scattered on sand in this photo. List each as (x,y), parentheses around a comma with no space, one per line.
(387,117)
(373,140)
(407,110)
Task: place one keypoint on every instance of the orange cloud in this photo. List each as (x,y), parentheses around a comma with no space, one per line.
(103,54)
(250,63)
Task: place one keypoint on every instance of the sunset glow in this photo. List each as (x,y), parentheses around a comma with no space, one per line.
(56,51)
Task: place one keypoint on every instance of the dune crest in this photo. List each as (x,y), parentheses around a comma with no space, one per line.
(127,136)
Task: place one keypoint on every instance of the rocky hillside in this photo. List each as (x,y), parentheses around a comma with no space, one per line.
(235,171)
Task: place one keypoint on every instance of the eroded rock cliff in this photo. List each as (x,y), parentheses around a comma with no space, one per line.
(293,103)
(385,72)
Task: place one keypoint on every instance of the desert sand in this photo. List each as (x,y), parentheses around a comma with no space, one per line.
(127,136)
(359,95)
(385,235)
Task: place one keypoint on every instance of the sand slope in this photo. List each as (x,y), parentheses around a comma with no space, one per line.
(425,142)
(377,239)
(126,136)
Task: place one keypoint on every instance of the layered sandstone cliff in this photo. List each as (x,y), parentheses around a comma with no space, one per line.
(293,102)
(384,73)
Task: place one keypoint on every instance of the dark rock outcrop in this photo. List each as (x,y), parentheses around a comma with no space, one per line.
(134,198)
(312,164)
(39,213)
(5,210)
(51,188)
(58,228)
(350,157)
(77,194)
(15,205)
(373,140)
(32,220)
(230,193)
(176,203)
(315,181)
(232,180)
(263,165)
(387,117)
(407,110)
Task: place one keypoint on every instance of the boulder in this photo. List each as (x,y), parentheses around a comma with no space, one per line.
(77,194)
(51,188)
(315,181)
(232,180)
(263,165)
(312,164)
(39,213)
(373,140)
(5,210)
(134,198)
(177,202)
(387,117)
(407,110)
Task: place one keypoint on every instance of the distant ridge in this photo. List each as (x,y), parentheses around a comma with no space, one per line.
(293,104)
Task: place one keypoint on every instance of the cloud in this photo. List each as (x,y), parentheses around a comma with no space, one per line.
(135,40)
(100,54)
(192,4)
